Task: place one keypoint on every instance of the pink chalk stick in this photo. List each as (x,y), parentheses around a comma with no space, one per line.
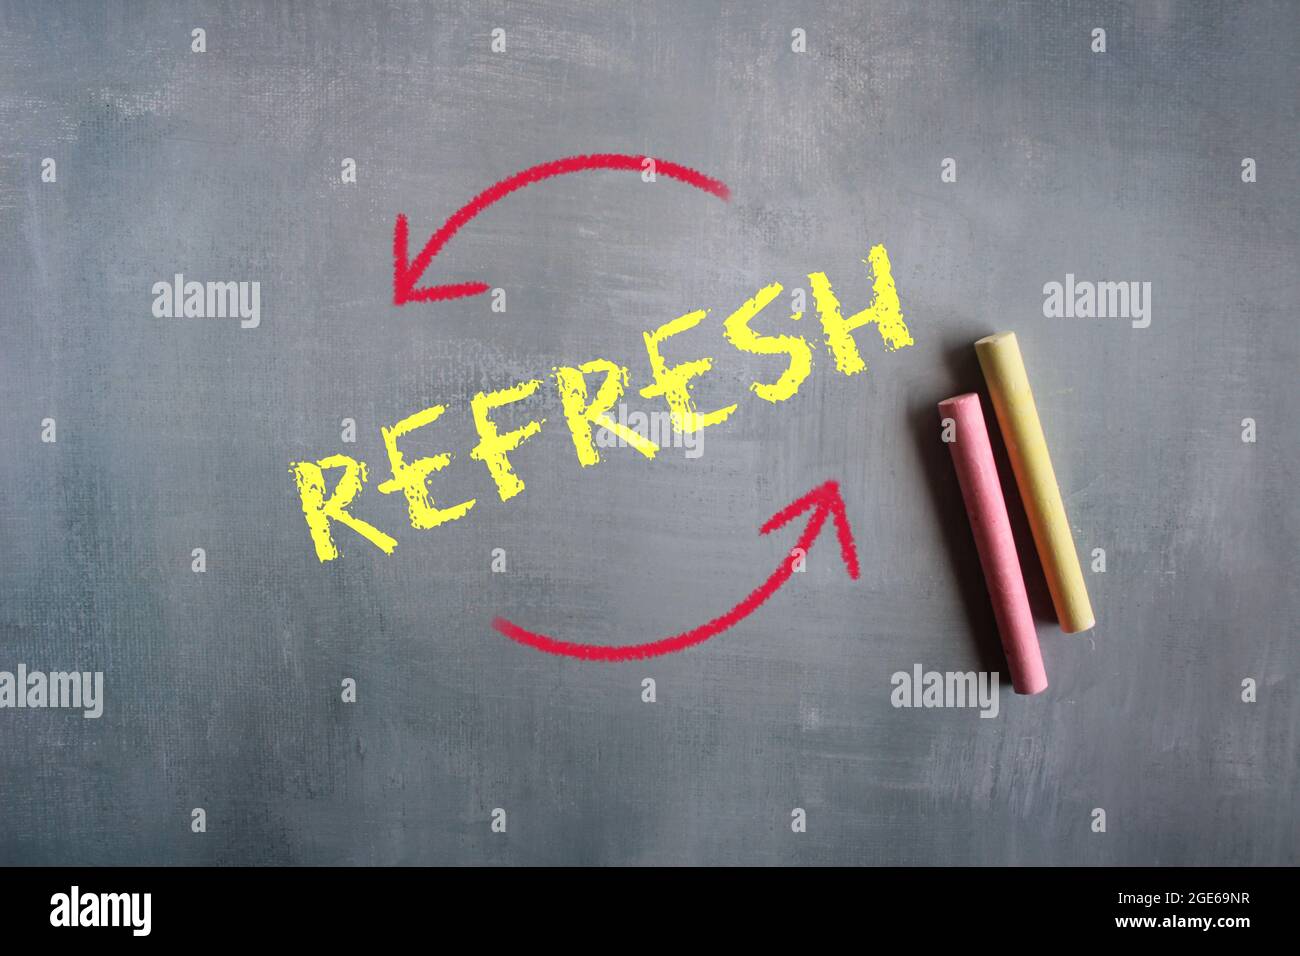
(978,476)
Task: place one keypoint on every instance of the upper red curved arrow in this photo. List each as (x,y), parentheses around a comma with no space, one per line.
(824,499)
(407,274)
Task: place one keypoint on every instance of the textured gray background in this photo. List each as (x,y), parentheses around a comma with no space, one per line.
(222,688)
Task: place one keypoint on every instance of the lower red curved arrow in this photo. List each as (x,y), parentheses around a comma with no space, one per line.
(407,274)
(824,499)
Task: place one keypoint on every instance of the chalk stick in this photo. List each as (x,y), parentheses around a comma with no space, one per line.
(1004,371)
(972,456)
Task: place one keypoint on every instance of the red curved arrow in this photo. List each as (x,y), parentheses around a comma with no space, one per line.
(407,274)
(824,499)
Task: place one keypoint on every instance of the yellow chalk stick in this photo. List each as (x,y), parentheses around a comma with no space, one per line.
(1004,370)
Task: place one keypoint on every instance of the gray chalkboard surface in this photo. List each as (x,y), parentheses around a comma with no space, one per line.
(259,705)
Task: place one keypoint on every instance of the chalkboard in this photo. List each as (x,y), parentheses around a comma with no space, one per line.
(1115,183)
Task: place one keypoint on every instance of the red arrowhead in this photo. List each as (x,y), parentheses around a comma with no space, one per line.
(407,273)
(405,276)
(824,499)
